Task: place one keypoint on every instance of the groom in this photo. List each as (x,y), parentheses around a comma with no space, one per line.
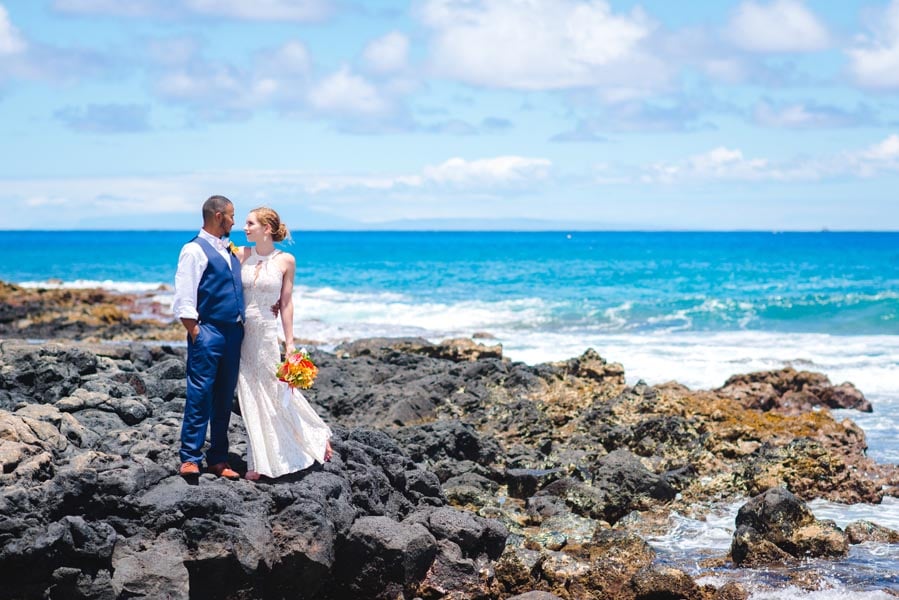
(209,302)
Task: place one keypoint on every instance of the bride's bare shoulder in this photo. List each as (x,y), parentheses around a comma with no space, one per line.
(287,258)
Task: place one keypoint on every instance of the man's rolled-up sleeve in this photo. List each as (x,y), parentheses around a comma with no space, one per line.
(187,279)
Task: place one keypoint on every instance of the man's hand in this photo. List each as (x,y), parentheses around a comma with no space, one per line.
(276,307)
(192,327)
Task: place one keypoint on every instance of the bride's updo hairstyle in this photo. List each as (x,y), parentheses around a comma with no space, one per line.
(268,216)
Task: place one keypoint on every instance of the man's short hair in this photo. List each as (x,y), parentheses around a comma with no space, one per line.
(214,204)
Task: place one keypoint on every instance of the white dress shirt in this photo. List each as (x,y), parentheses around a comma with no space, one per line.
(191,263)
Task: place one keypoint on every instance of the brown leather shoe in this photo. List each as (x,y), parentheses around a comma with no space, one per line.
(189,468)
(223,470)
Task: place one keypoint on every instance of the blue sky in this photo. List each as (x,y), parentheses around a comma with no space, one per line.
(474,114)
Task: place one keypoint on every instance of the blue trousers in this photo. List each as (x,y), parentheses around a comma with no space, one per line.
(212,363)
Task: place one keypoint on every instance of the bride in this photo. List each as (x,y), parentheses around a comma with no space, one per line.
(285,434)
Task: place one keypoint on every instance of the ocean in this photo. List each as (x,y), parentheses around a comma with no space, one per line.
(686,306)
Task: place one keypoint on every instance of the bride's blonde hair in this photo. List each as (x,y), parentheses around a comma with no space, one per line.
(268,216)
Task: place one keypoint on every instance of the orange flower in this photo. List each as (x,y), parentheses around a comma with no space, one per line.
(297,370)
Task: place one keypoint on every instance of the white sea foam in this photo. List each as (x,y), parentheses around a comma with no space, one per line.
(869,566)
(130,287)
(686,535)
(531,331)
(333,316)
(835,593)
(885,514)
(616,316)
(715,530)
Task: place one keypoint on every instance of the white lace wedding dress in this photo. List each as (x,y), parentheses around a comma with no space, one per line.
(285,433)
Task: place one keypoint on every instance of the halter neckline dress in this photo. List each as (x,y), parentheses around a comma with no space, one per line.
(285,433)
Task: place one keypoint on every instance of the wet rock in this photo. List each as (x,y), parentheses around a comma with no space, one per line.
(860,532)
(777,527)
(590,365)
(663,582)
(535,596)
(811,470)
(730,591)
(609,565)
(81,314)
(791,391)
(629,484)
(463,349)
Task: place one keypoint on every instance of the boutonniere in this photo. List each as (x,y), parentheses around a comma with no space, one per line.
(232,248)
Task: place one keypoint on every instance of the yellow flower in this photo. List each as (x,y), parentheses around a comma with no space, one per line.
(232,248)
(297,370)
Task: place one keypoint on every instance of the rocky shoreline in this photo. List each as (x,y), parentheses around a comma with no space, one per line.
(457,473)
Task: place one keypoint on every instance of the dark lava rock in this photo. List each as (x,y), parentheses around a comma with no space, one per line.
(776,526)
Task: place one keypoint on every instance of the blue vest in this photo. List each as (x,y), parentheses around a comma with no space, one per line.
(220,294)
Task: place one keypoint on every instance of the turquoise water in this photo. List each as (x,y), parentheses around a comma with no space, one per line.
(691,307)
(834,283)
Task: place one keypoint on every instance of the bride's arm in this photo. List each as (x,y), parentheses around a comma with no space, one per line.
(286,300)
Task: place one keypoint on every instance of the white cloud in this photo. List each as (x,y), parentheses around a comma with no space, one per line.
(719,163)
(791,116)
(276,77)
(887,150)
(218,82)
(387,54)
(874,61)
(488,172)
(255,10)
(11,41)
(726,164)
(344,92)
(172,50)
(474,175)
(810,115)
(282,79)
(542,44)
(118,8)
(877,158)
(173,200)
(66,201)
(779,26)
(324,184)
(292,58)
(263,10)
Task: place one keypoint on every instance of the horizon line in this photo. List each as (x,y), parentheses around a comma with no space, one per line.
(463,230)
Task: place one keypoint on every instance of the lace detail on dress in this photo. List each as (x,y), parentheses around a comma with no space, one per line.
(284,432)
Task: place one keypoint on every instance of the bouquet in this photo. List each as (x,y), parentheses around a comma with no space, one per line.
(297,370)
